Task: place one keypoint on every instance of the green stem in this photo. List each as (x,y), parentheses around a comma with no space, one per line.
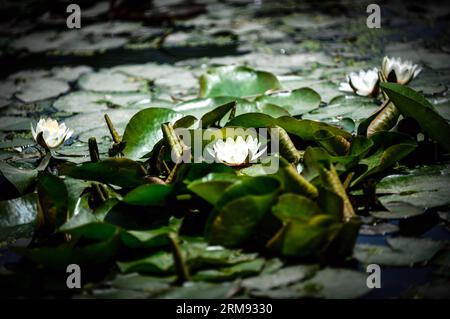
(114,134)
(93,150)
(180,264)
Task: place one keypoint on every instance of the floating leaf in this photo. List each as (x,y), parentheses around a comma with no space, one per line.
(304,129)
(295,207)
(86,101)
(412,104)
(212,186)
(143,130)
(148,195)
(238,220)
(283,277)
(240,270)
(41,89)
(108,82)
(88,224)
(398,210)
(117,171)
(18,217)
(53,198)
(424,187)
(236,81)
(146,239)
(296,102)
(20,178)
(383,160)
(402,251)
(330,283)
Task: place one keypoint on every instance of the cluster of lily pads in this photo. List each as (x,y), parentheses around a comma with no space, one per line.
(143,211)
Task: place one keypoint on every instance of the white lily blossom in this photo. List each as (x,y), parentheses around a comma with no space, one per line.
(396,70)
(363,83)
(54,134)
(236,152)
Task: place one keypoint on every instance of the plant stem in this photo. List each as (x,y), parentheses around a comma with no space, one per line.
(115,136)
(93,150)
(180,263)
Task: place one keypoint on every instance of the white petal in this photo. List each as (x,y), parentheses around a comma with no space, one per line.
(33,132)
(345,87)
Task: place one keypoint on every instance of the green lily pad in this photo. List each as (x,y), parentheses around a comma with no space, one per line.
(92,124)
(236,81)
(230,229)
(296,102)
(295,207)
(200,290)
(304,129)
(105,81)
(412,104)
(378,229)
(20,178)
(111,28)
(40,89)
(15,123)
(148,284)
(212,186)
(330,283)
(241,270)
(18,217)
(356,108)
(88,224)
(197,255)
(70,73)
(402,251)
(283,277)
(86,101)
(424,187)
(148,195)
(146,239)
(398,210)
(117,171)
(143,130)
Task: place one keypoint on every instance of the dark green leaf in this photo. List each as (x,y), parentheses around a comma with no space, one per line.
(402,251)
(18,217)
(148,195)
(304,129)
(20,178)
(117,171)
(236,81)
(143,130)
(296,102)
(413,104)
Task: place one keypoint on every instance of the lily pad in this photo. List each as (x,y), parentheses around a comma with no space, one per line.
(378,229)
(402,251)
(398,210)
(41,89)
(236,81)
(105,81)
(412,104)
(117,171)
(296,102)
(18,217)
(20,178)
(86,101)
(422,187)
(143,131)
(330,283)
(283,277)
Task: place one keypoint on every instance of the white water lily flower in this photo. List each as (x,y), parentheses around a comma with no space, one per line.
(364,83)
(54,134)
(396,70)
(236,152)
